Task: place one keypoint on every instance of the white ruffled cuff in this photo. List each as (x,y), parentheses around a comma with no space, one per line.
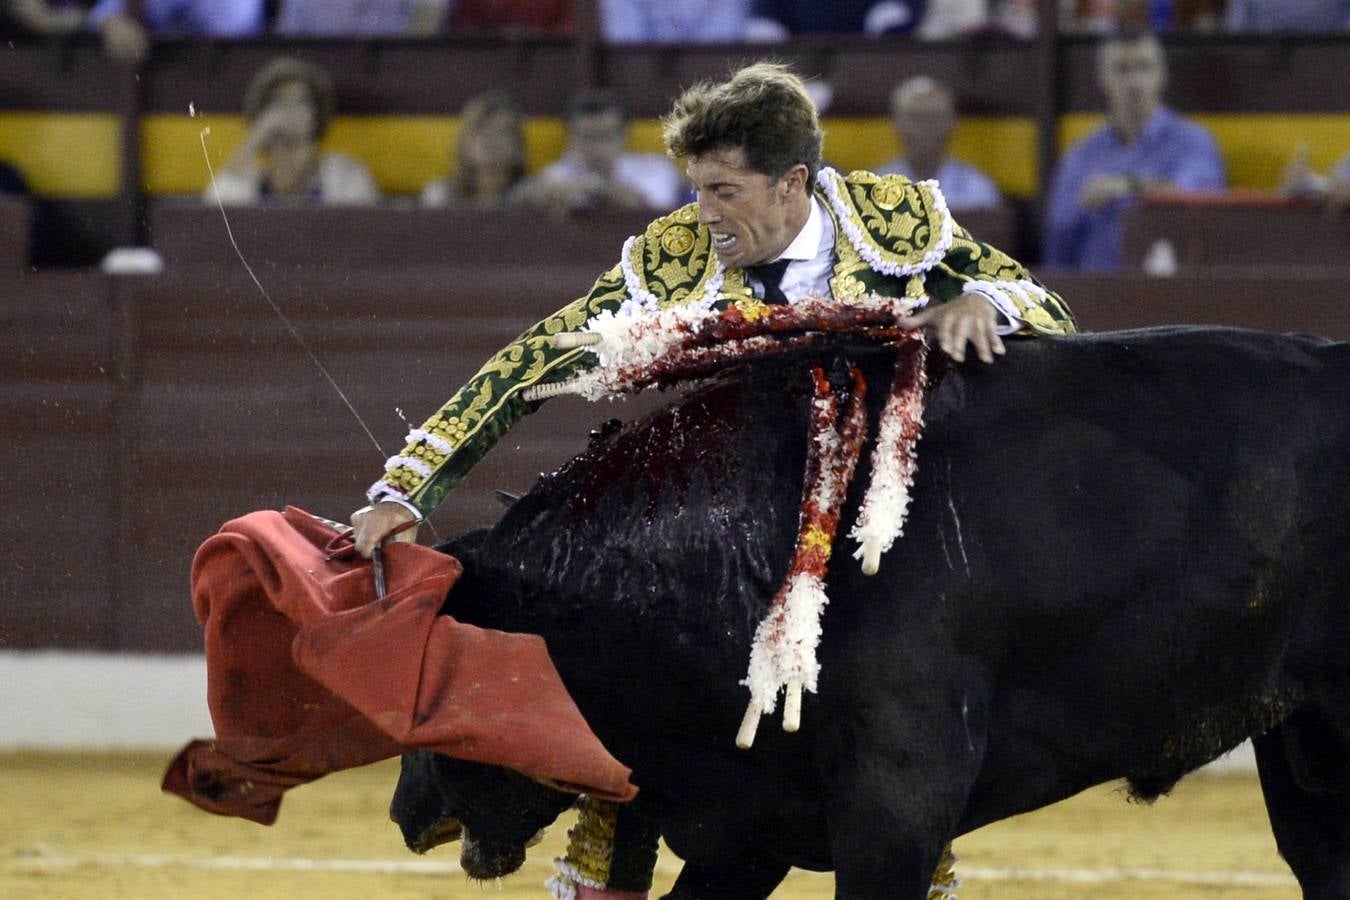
(997,293)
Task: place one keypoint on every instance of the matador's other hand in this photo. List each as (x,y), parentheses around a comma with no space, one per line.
(967,319)
(375,523)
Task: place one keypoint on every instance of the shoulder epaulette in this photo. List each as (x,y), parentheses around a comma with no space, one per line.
(671,259)
(898,226)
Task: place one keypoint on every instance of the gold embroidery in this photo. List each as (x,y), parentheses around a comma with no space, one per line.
(735,287)
(844,285)
(678,240)
(674,274)
(903,228)
(887,194)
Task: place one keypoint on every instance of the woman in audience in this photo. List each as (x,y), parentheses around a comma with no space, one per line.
(289,106)
(489,156)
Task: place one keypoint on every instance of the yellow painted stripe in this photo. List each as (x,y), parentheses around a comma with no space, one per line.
(76,155)
(403,152)
(1004,148)
(64,154)
(1256,147)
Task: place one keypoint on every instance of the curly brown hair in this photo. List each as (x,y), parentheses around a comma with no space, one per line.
(763,108)
(285,70)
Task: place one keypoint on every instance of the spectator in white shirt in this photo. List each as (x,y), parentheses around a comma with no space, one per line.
(489,156)
(289,106)
(596,173)
(923,111)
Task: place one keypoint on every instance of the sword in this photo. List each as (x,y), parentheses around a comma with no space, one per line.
(377,569)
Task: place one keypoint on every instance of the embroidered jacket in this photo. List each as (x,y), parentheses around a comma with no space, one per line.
(892,236)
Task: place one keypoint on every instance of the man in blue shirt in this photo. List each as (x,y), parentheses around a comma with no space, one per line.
(125,39)
(1142,146)
(660,21)
(1288,16)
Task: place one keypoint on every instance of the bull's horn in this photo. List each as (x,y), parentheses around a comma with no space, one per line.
(566,340)
(792,706)
(749,725)
(871,557)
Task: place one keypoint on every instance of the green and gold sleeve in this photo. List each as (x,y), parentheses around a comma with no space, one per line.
(972,267)
(443,450)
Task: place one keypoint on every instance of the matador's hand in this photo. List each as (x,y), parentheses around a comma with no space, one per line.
(374,523)
(967,319)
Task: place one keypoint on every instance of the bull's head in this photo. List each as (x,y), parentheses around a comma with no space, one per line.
(497,812)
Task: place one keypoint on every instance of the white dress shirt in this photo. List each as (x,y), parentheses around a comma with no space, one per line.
(812,263)
(812,255)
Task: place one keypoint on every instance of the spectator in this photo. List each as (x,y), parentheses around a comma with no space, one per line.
(1107,16)
(924,113)
(126,39)
(1301,180)
(489,156)
(1143,145)
(512,16)
(947,19)
(48,18)
(775,20)
(41,240)
(289,106)
(660,21)
(1338,185)
(13,184)
(596,172)
(361,18)
(1274,16)
(1012,18)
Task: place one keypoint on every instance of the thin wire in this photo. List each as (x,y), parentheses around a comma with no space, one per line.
(281,315)
(277,309)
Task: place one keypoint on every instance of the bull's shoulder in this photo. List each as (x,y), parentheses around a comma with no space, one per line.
(671,258)
(894,222)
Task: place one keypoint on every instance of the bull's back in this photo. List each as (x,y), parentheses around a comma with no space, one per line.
(1146,529)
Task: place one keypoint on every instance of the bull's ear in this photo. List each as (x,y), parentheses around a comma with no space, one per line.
(506,498)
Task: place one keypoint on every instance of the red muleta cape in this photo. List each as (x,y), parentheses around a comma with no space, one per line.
(309,673)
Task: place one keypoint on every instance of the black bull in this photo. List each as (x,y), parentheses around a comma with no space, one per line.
(1126,553)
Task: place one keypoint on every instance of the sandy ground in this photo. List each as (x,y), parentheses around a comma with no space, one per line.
(96,826)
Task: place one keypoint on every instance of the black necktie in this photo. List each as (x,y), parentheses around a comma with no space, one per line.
(771,276)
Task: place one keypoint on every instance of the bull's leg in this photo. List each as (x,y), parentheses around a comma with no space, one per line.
(898,771)
(893,812)
(1312,828)
(752,876)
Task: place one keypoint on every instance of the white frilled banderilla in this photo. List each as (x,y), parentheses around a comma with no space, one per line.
(679,345)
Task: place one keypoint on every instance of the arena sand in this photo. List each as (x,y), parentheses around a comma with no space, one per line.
(96,826)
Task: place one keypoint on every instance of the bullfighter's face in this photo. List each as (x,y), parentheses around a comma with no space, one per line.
(752,216)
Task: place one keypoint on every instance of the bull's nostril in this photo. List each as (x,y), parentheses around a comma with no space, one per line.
(485,861)
(442,831)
